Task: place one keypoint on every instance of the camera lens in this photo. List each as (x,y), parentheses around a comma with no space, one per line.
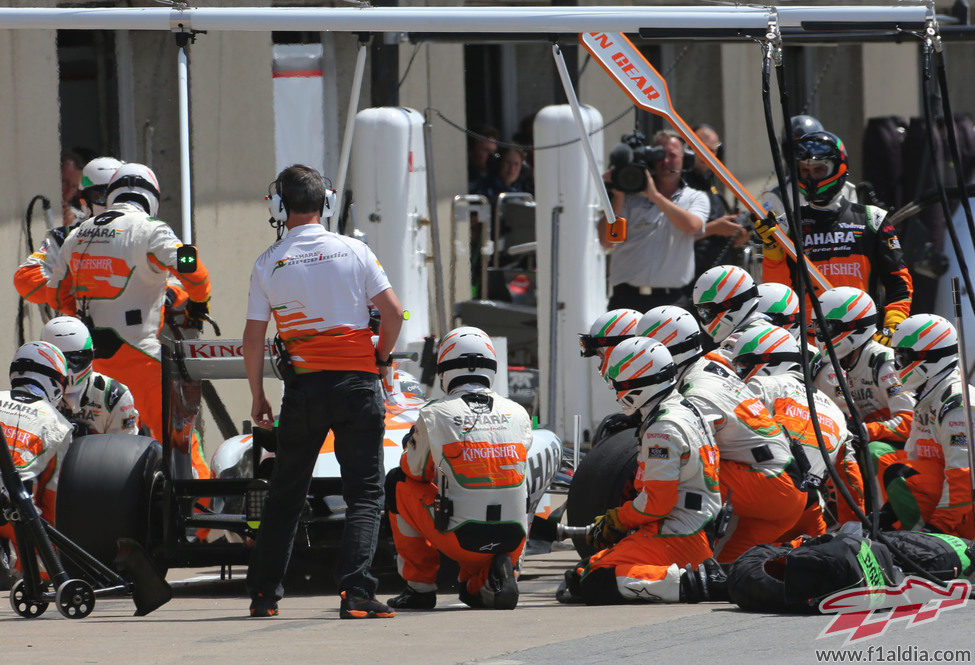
(631,178)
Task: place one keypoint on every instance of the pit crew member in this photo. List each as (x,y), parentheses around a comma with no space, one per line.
(654,548)
(886,407)
(851,244)
(767,358)
(37,434)
(115,266)
(32,275)
(461,489)
(756,460)
(929,482)
(93,402)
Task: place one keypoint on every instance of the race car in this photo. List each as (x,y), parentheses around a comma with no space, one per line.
(114,486)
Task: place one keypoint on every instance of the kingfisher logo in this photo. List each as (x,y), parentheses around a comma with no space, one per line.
(863,614)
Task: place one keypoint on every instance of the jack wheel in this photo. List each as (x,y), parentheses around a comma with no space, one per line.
(22,605)
(75,599)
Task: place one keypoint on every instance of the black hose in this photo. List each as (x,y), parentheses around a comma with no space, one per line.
(929,121)
(803,281)
(28,222)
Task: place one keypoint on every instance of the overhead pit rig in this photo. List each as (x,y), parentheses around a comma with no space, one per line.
(568,199)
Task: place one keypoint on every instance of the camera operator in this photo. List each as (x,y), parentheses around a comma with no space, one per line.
(656,262)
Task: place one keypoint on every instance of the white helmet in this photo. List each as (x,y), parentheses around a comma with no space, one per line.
(466,355)
(41,365)
(94,182)
(675,328)
(781,305)
(607,331)
(850,319)
(724,297)
(72,337)
(767,350)
(642,373)
(137,184)
(925,345)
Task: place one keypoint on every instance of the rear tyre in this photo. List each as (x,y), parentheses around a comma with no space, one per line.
(603,480)
(104,492)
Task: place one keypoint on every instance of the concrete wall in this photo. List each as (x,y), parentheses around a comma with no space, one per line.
(29,117)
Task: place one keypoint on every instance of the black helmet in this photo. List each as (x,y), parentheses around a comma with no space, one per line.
(799,127)
(827,148)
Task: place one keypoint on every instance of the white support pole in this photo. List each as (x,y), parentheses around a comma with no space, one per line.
(356,90)
(570,94)
(185,180)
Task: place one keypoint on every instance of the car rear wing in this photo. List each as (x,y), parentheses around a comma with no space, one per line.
(199,359)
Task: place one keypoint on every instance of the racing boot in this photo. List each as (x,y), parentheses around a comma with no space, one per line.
(707,582)
(569,592)
(360,607)
(411,599)
(501,589)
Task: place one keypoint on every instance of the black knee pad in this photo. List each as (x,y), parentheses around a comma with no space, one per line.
(598,587)
(393,478)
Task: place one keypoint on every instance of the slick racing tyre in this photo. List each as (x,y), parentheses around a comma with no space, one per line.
(103,491)
(603,480)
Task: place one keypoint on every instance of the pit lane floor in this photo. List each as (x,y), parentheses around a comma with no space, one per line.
(206,623)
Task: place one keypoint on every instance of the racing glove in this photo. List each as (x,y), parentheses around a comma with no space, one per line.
(606,530)
(765,229)
(891,319)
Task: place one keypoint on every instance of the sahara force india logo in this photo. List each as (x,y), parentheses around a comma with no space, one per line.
(862,614)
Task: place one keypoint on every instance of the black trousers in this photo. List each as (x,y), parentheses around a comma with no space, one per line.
(350,404)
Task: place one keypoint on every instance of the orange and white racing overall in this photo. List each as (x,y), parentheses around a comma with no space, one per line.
(886,407)
(31,277)
(106,407)
(115,265)
(755,458)
(852,245)
(929,481)
(677,481)
(785,395)
(38,437)
(465,492)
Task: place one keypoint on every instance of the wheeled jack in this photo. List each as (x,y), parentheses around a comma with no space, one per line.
(74,597)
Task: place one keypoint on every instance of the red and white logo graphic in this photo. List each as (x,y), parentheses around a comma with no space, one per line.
(863,614)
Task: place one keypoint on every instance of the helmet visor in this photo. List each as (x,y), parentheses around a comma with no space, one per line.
(830,329)
(709,311)
(79,360)
(904,356)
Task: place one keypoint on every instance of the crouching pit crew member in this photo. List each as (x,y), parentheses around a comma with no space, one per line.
(93,402)
(37,434)
(768,358)
(759,476)
(929,482)
(461,487)
(318,286)
(654,547)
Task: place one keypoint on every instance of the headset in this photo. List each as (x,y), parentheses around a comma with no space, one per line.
(278,206)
